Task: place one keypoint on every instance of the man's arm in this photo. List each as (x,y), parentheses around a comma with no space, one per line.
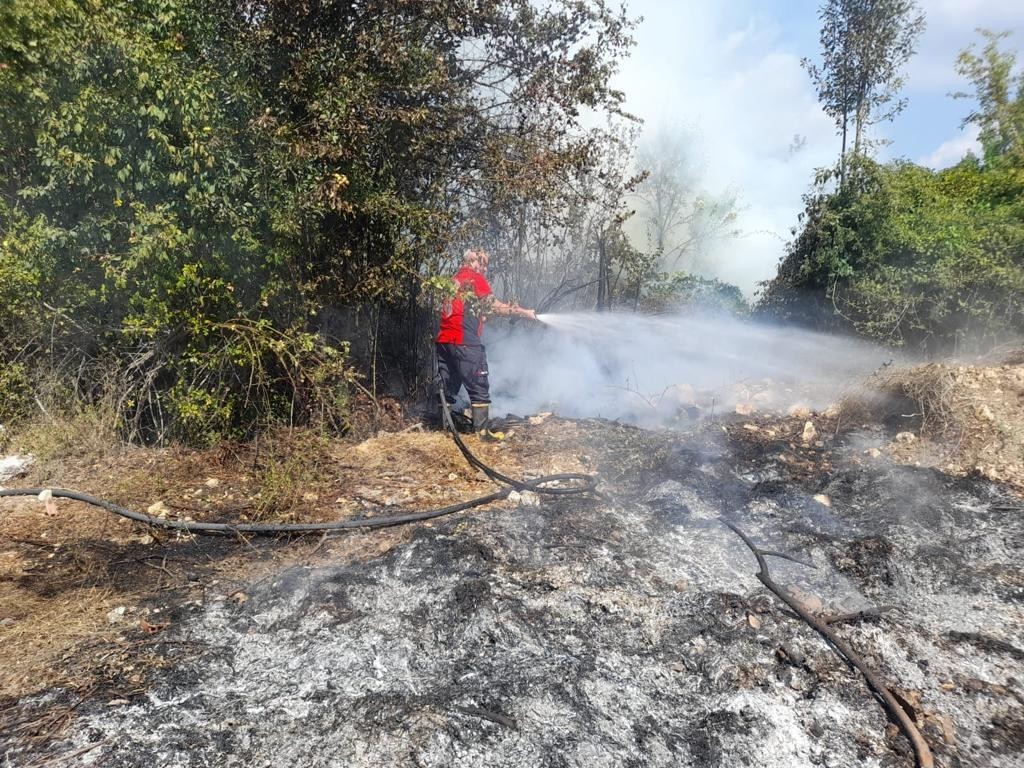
(510,310)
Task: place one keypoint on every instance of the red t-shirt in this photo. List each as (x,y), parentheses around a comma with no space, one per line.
(460,324)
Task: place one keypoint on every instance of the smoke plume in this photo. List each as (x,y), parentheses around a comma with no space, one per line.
(657,370)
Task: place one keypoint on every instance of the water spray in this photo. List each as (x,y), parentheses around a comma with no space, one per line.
(651,369)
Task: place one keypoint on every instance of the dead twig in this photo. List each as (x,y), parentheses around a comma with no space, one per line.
(896,712)
(486,714)
(63,759)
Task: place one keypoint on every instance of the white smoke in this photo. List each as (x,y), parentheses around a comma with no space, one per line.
(657,370)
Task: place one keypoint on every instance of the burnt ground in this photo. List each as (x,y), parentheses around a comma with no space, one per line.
(589,632)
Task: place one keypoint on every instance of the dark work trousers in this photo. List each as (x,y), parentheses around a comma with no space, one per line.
(458,365)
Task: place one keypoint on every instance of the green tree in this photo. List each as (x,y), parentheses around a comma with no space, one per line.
(864,46)
(999,93)
(186,189)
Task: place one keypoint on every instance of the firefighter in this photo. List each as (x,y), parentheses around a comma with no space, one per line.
(461,357)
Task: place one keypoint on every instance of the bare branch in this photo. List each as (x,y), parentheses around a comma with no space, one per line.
(896,712)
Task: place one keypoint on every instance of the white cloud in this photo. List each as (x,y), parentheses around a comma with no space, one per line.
(729,74)
(952,151)
(723,71)
(952,26)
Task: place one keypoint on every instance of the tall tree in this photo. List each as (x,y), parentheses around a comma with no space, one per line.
(865,44)
(680,218)
(999,92)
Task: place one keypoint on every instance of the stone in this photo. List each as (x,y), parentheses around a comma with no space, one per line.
(906,437)
(157,509)
(15,465)
(810,433)
(799,411)
(115,615)
(529,499)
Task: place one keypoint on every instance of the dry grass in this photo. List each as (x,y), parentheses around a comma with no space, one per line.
(971,418)
(63,437)
(42,633)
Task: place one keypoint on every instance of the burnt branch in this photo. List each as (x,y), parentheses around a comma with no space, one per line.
(849,618)
(898,715)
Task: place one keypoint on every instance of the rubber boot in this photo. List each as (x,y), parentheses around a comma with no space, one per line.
(481,419)
(481,415)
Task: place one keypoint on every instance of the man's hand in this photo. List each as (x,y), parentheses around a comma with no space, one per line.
(529,314)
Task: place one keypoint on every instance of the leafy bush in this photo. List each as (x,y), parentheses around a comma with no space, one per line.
(679,290)
(186,187)
(910,256)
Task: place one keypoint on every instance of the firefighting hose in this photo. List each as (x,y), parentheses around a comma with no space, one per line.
(546,484)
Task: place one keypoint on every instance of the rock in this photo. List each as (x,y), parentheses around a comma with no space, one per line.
(15,465)
(745,409)
(753,621)
(157,509)
(790,654)
(529,499)
(985,413)
(799,411)
(822,499)
(810,434)
(46,496)
(116,615)
(906,437)
(212,482)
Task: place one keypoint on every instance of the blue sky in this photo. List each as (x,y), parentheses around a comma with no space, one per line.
(728,76)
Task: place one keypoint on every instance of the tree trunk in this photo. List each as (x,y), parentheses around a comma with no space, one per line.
(842,154)
(602,274)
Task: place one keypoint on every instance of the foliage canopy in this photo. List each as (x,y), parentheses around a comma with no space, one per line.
(185,186)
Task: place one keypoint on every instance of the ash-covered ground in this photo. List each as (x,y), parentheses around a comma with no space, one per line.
(629,632)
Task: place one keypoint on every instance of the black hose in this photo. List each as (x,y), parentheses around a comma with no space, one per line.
(586,484)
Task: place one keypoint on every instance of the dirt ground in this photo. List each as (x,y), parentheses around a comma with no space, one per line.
(679,657)
(63,570)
